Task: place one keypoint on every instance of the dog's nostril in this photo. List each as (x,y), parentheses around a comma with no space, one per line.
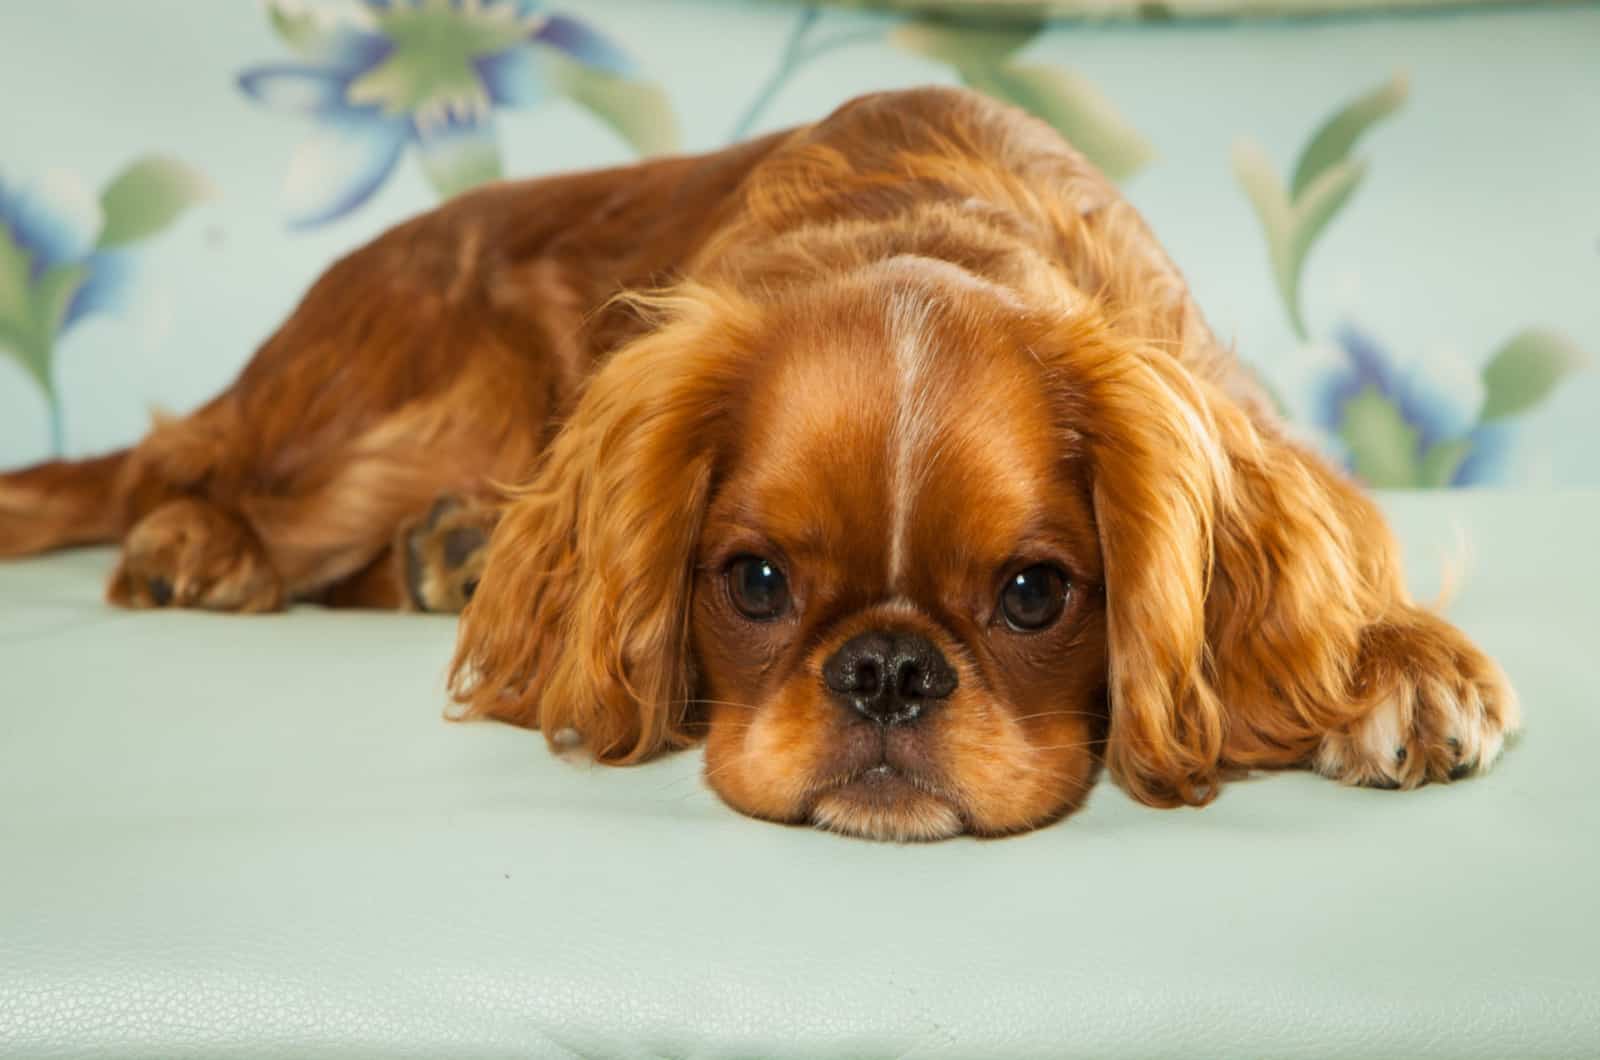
(924,674)
(909,679)
(857,667)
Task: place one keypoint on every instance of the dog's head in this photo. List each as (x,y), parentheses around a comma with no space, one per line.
(912,556)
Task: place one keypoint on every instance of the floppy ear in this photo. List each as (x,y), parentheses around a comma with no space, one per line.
(1240,573)
(580,619)
(1158,472)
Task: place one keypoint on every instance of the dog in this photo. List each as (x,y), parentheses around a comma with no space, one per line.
(889,457)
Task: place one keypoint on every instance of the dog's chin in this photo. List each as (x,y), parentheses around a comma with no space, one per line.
(885,804)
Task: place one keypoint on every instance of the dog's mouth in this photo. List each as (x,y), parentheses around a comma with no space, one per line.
(887,802)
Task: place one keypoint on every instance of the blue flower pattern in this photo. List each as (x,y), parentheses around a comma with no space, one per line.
(66,255)
(55,230)
(378,79)
(1431,424)
(1435,411)
(420,74)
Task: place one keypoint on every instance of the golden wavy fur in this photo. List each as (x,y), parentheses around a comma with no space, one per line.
(915,370)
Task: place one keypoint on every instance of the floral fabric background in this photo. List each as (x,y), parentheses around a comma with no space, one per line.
(1395,219)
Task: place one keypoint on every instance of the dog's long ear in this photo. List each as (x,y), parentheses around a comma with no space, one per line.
(1159,474)
(1240,572)
(580,620)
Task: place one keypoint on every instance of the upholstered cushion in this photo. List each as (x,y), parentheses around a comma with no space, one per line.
(234,836)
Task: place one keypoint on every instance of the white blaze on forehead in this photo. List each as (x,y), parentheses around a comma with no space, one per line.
(912,428)
(913,434)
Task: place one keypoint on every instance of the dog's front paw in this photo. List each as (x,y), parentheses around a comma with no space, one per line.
(444,554)
(1438,709)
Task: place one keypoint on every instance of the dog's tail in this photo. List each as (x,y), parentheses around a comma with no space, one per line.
(61,504)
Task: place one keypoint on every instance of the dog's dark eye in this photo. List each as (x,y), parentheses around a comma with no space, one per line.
(469,588)
(1033,598)
(758,588)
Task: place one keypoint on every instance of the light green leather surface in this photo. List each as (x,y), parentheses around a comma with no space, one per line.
(255,837)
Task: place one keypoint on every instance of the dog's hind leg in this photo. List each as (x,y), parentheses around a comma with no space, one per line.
(61,504)
(261,551)
(193,553)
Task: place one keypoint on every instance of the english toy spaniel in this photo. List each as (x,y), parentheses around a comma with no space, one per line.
(888,456)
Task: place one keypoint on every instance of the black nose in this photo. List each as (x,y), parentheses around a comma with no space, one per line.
(891,678)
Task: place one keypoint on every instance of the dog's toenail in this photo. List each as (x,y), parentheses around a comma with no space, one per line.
(160,591)
(1400,755)
(1384,784)
(1462,770)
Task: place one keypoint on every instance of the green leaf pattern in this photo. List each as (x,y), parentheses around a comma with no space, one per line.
(1526,369)
(37,294)
(147,197)
(1397,428)
(1332,143)
(638,111)
(985,56)
(985,59)
(1079,111)
(1324,179)
(1382,444)
(429,71)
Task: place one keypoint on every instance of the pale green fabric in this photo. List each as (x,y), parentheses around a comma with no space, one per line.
(256,837)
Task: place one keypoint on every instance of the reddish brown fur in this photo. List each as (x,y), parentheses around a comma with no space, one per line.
(901,351)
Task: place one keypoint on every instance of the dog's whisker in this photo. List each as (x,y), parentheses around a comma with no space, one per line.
(720,769)
(723,703)
(1058,713)
(1077,746)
